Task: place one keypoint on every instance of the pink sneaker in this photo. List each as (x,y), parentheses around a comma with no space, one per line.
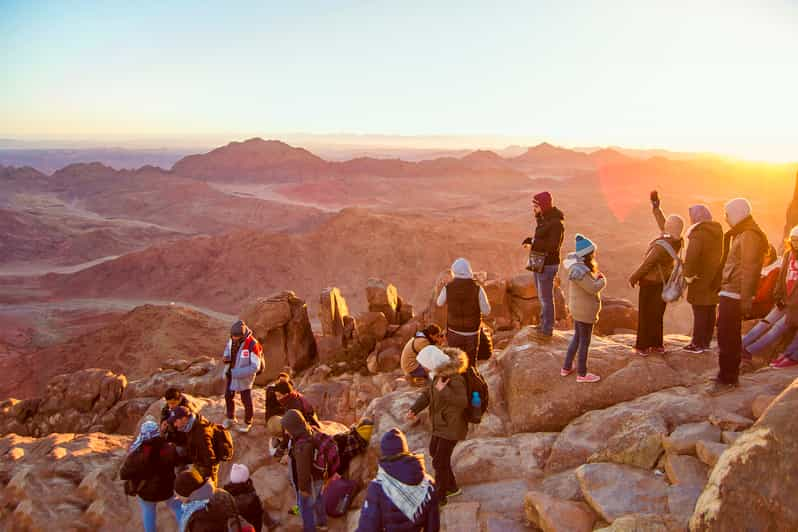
(590,377)
(641,352)
(565,372)
(785,362)
(777,360)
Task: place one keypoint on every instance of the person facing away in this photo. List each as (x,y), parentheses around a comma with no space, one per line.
(548,239)
(307,479)
(150,468)
(218,514)
(786,297)
(585,283)
(744,248)
(466,302)
(447,401)
(199,442)
(415,372)
(651,275)
(243,357)
(194,492)
(248,503)
(402,496)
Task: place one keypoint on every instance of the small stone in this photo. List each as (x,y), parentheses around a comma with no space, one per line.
(683,440)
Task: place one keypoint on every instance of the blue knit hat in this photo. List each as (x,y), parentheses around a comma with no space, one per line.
(584,246)
(393,442)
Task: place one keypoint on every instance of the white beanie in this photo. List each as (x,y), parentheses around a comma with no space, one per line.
(239,473)
(794,232)
(737,210)
(462,269)
(431,357)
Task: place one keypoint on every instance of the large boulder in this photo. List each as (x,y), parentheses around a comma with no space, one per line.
(332,310)
(616,490)
(201,376)
(554,515)
(753,484)
(383,297)
(521,456)
(616,316)
(280,322)
(683,440)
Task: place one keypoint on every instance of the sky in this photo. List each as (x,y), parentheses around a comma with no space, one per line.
(691,76)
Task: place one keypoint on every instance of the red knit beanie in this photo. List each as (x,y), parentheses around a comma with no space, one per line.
(543,200)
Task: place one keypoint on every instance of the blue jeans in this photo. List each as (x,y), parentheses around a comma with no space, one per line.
(544,282)
(149,512)
(419,372)
(312,508)
(766,332)
(583,333)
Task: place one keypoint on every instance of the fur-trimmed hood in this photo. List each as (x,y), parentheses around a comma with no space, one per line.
(458,362)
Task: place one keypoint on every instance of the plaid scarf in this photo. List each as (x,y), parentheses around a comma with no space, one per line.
(409,499)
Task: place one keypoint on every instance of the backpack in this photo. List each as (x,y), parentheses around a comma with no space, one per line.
(475,382)
(338,495)
(222,443)
(674,287)
(325,453)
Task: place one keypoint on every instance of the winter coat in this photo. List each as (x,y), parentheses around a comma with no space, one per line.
(447,407)
(248,360)
(780,291)
(584,287)
(411,349)
(217,515)
(199,446)
(247,501)
(380,513)
(549,234)
(702,262)
(300,452)
(297,401)
(745,246)
(154,463)
(657,265)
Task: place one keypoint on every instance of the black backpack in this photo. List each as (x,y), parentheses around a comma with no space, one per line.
(475,382)
(222,443)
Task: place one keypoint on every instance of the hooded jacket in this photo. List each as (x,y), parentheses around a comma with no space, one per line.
(380,513)
(745,247)
(447,407)
(215,516)
(549,234)
(248,359)
(658,264)
(152,463)
(584,287)
(247,501)
(301,451)
(702,262)
(467,300)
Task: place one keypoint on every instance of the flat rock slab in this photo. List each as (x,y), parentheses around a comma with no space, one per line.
(710,451)
(643,523)
(730,421)
(460,516)
(760,404)
(681,502)
(683,440)
(729,436)
(686,470)
(616,490)
(556,515)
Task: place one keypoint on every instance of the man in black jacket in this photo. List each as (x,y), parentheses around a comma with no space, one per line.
(548,239)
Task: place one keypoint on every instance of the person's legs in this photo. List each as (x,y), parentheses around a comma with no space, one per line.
(658,331)
(729,340)
(229,400)
(762,326)
(769,338)
(546,296)
(249,411)
(307,511)
(176,506)
(148,515)
(585,335)
(468,344)
(703,323)
(318,503)
(649,322)
(572,347)
(441,463)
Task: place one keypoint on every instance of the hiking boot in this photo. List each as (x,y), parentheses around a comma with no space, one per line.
(784,363)
(565,372)
(245,428)
(227,423)
(588,377)
(719,388)
(455,493)
(641,352)
(694,349)
(778,359)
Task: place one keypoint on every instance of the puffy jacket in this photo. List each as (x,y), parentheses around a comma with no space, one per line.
(747,245)
(247,361)
(583,290)
(549,234)
(702,262)
(447,407)
(199,446)
(380,513)
(154,463)
(247,501)
(411,349)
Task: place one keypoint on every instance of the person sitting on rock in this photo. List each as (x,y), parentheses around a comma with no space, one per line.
(786,297)
(199,442)
(243,357)
(307,479)
(149,472)
(414,372)
(290,399)
(585,283)
(402,496)
(206,508)
(447,401)
(466,302)
(273,406)
(247,501)
(768,277)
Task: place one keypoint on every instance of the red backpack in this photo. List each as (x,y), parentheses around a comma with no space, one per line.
(325,453)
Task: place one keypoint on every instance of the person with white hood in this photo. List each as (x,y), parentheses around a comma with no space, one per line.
(744,248)
(466,303)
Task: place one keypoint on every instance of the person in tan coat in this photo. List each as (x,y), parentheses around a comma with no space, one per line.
(651,276)
(415,372)
(585,283)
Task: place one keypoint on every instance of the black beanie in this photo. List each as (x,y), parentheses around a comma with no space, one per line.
(283,387)
(187,482)
(238,328)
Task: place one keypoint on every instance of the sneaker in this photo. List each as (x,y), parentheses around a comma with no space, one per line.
(695,349)
(565,372)
(227,423)
(719,388)
(294,510)
(641,352)
(656,350)
(245,428)
(322,527)
(455,493)
(785,362)
(589,377)
(778,359)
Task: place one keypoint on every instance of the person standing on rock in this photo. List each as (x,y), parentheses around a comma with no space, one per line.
(547,243)
(585,283)
(149,472)
(307,479)
(651,276)
(415,372)
(447,400)
(402,496)
(199,442)
(243,357)
(466,302)
(744,249)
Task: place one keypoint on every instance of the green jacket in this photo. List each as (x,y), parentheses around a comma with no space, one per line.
(447,407)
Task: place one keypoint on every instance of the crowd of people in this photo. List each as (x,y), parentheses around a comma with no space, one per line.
(728,277)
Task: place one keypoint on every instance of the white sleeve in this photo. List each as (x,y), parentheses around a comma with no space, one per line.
(484,304)
(442,297)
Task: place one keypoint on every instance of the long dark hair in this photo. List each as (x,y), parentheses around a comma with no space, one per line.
(590,261)
(431,331)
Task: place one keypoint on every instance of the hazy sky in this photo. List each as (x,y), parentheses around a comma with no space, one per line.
(720,76)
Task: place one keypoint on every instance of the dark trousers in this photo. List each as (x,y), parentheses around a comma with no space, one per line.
(730,344)
(651,311)
(246,398)
(441,451)
(583,333)
(703,324)
(469,344)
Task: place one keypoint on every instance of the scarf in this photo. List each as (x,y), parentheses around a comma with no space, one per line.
(187,426)
(187,510)
(288,397)
(148,431)
(409,499)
